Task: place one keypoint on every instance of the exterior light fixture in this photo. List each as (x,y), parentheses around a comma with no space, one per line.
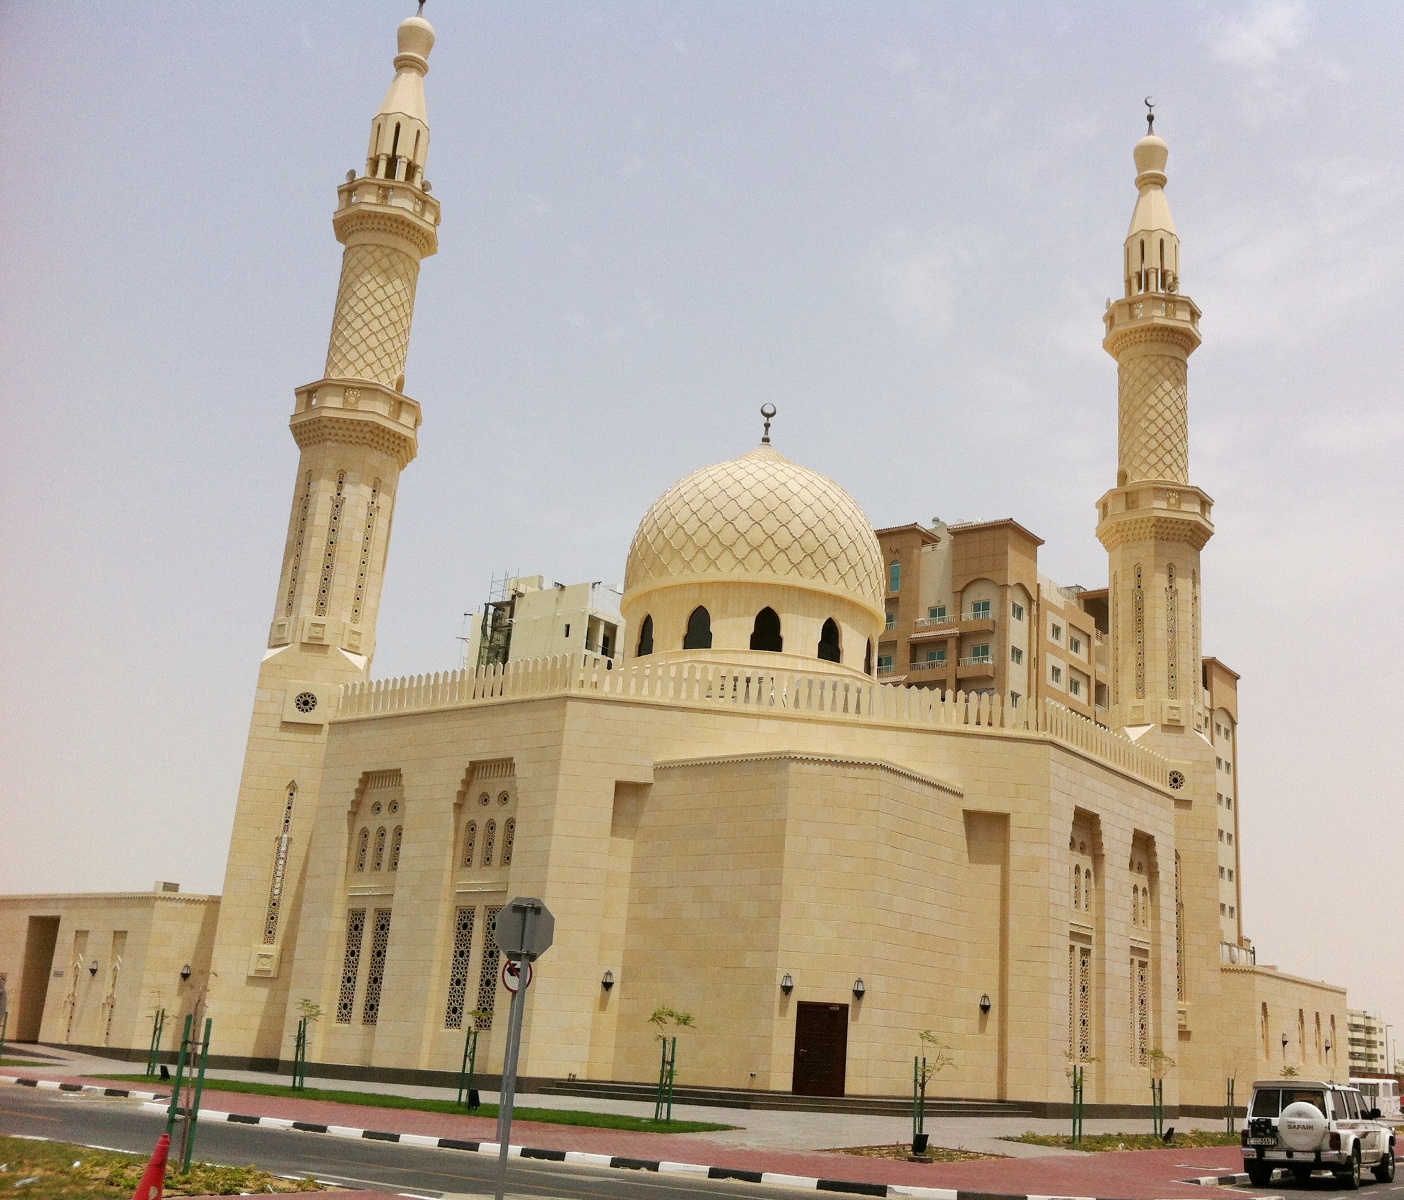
(607,980)
(859,988)
(1328,1045)
(185,973)
(92,967)
(787,983)
(1284,1042)
(985,1003)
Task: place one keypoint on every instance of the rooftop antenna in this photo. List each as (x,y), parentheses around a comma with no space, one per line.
(1150,111)
(767,411)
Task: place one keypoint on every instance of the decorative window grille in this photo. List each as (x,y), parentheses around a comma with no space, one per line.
(489,837)
(509,835)
(1172,633)
(378,859)
(351,965)
(329,554)
(1087,890)
(1179,935)
(1140,1008)
(363,569)
(470,843)
(458,969)
(296,567)
(280,870)
(1145,908)
(395,847)
(1077,889)
(1080,1002)
(362,844)
(1139,617)
(487,970)
(375,972)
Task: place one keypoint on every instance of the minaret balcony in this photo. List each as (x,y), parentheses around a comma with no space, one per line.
(357,412)
(365,197)
(1155,509)
(1152,310)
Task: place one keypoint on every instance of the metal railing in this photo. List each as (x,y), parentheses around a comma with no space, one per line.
(977,660)
(931,664)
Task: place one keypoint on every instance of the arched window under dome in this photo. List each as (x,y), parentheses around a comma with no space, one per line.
(645,637)
(765,634)
(830,648)
(699,630)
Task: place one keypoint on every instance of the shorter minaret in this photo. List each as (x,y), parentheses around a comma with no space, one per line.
(1154,522)
(356,430)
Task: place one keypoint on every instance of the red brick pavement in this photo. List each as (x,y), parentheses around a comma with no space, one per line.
(1134,1175)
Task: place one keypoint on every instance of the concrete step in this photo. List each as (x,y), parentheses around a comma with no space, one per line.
(896,1106)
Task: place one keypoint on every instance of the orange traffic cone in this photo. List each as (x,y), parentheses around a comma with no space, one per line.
(153,1180)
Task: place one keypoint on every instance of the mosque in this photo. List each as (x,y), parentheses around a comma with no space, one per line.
(731,814)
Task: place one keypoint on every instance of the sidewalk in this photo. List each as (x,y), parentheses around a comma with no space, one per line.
(773,1144)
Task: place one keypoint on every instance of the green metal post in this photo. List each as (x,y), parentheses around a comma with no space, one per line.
(672,1074)
(4,1024)
(1077,1104)
(662,1080)
(468,1071)
(1229,1113)
(174,1109)
(299,1068)
(914,1098)
(194,1117)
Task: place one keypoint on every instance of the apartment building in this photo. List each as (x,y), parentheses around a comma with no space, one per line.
(527,617)
(1220,684)
(967,610)
(1365,1039)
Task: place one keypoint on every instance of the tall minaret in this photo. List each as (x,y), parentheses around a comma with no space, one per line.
(356,430)
(1154,522)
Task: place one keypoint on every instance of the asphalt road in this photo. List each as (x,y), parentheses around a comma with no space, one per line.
(117,1124)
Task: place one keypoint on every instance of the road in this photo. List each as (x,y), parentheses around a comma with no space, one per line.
(117,1124)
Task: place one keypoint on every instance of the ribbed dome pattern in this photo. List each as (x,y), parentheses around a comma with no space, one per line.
(755,516)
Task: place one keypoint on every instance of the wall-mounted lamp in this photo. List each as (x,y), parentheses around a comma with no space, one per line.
(1284,1043)
(859,989)
(787,983)
(185,973)
(92,967)
(985,1003)
(1328,1045)
(607,980)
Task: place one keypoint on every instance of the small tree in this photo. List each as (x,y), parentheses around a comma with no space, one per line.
(660,1019)
(310,1012)
(931,1062)
(1159,1063)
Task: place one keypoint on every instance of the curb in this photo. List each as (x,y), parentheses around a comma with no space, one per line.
(574,1157)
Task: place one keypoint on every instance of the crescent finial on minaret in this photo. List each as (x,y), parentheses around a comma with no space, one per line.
(1150,109)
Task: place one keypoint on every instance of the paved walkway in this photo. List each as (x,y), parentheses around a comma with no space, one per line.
(776,1142)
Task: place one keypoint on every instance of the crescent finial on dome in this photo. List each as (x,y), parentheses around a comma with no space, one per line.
(768,412)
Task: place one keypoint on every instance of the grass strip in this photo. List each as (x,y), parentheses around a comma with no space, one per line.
(547,1116)
(42,1170)
(1103,1142)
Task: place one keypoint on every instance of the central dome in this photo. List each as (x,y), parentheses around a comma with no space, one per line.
(754,518)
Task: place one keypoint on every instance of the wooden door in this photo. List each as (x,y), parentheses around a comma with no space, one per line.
(821,1049)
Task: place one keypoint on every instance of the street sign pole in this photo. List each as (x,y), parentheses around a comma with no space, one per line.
(521,945)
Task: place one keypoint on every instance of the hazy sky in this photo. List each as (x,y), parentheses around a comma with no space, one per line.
(898,222)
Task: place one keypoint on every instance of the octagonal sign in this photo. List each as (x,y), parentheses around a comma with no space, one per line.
(524,929)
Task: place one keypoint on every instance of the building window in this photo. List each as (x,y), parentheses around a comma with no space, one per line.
(765,633)
(375,971)
(487,970)
(937,612)
(362,845)
(1221,873)
(1016,656)
(470,843)
(980,653)
(830,649)
(489,837)
(1075,645)
(889,620)
(1218,764)
(1057,633)
(699,630)
(936,656)
(1057,674)
(1221,835)
(884,663)
(458,970)
(980,610)
(350,965)
(1013,699)
(1229,836)
(567,629)
(868,658)
(1228,801)
(1221,799)
(1018,611)
(1075,685)
(1230,871)
(1223,909)
(894,577)
(645,637)
(509,836)
(378,859)
(395,847)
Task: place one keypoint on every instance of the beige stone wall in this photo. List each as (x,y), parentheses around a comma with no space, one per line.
(139,941)
(1263,1004)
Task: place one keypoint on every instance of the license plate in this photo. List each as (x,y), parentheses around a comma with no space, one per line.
(1265,1141)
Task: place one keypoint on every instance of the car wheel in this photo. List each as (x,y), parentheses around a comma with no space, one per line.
(1259,1175)
(1385,1171)
(1350,1175)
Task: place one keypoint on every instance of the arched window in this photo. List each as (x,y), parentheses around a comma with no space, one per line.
(699,630)
(1087,891)
(646,637)
(1145,907)
(765,634)
(392,167)
(395,847)
(868,658)
(489,837)
(509,835)
(378,859)
(1077,889)
(362,844)
(470,843)
(829,648)
(1135,905)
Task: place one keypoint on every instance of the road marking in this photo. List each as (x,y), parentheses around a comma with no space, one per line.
(15,1112)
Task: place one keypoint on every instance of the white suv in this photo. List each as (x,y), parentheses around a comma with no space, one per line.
(1307,1126)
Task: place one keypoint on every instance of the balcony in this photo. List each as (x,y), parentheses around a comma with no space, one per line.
(937,623)
(1237,955)
(976,666)
(931,664)
(889,669)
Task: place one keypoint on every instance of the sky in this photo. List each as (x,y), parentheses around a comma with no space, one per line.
(897,222)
